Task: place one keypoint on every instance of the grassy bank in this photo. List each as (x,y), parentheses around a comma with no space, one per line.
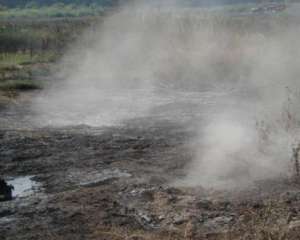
(53,11)
(12,60)
(34,37)
(20,84)
(28,48)
(23,71)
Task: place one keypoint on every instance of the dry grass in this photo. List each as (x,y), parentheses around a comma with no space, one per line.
(119,233)
(272,221)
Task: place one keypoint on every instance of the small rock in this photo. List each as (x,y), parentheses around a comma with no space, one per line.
(145,218)
(178,220)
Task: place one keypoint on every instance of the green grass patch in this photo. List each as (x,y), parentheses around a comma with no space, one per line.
(14,85)
(11,61)
(53,11)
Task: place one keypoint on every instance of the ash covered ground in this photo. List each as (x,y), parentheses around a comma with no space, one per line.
(119,182)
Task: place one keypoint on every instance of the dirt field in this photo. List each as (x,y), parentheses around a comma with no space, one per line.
(118,183)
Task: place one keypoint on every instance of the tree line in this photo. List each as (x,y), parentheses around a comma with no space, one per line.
(111,3)
(24,3)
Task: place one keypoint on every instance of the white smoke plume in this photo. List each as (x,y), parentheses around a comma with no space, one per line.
(114,73)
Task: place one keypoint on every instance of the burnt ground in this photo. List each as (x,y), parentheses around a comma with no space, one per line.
(118,183)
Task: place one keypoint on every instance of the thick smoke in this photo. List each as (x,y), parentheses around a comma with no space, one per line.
(117,72)
(251,137)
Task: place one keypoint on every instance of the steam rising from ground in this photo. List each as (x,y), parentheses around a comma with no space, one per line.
(117,72)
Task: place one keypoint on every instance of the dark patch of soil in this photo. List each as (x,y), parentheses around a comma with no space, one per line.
(116,183)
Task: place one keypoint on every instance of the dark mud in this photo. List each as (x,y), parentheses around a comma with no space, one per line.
(118,183)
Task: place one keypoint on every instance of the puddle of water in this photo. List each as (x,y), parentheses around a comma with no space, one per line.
(23,186)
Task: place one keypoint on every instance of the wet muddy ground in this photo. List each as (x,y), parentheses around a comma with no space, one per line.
(117,182)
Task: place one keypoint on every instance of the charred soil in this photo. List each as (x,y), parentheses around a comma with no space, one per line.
(118,183)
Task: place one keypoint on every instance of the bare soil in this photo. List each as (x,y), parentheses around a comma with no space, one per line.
(118,183)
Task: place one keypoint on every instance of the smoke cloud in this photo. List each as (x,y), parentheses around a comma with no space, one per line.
(118,71)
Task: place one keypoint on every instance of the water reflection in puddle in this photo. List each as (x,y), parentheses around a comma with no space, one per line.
(23,186)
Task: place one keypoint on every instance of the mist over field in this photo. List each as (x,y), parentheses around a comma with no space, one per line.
(161,119)
(143,57)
